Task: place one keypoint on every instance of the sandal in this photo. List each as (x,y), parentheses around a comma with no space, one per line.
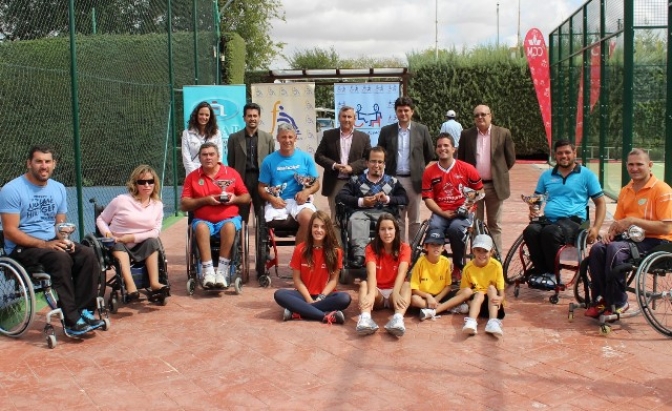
(131,297)
(163,290)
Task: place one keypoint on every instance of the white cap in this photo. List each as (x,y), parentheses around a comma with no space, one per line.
(482,241)
(451,114)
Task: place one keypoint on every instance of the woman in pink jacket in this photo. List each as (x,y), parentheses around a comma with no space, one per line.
(134,221)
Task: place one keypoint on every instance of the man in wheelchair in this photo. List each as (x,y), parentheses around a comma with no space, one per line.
(31,206)
(645,202)
(287,182)
(442,184)
(566,189)
(213,192)
(366,197)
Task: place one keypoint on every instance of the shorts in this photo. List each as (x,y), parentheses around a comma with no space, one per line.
(386,293)
(291,209)
(215,228)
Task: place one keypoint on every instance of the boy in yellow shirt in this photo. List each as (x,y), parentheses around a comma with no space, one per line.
(431,279)
(482,287)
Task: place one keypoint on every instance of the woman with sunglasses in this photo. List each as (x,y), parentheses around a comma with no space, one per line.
(201,128)
(134,221)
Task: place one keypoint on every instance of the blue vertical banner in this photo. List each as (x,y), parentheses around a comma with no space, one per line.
(227,102)
(373,104)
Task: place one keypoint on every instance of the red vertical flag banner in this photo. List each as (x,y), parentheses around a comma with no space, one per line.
(537,59)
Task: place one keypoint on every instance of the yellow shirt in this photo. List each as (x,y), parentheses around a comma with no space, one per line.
(479,278)
(431,278)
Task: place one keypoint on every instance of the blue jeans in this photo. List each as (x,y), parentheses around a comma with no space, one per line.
(455,230)
(294,302)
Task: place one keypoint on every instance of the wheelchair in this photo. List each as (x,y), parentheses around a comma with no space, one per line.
(239,260)
(648,276)
(343,215)
(518,267)
(270,236)
(22,289)
(118,294)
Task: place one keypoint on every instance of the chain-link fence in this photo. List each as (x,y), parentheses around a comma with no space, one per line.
(610,87)
(107,99)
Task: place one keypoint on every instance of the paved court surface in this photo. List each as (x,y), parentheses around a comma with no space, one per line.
(230,352)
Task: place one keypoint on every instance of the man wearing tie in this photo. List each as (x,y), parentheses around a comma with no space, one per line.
(410,149)
(490,149)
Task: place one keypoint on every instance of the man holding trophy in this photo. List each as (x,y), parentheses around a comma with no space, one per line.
(33,208)
(565,190)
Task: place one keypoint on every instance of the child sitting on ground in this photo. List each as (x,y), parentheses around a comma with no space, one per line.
(431,279)
(483,286)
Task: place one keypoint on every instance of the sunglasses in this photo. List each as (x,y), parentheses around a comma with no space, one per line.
(145,182)
(477,115)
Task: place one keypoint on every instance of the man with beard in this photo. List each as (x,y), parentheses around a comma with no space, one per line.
(213,193)
(31,206)
(370,194)
(567,188)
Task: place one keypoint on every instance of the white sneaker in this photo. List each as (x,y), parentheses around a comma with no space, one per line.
(209,278)
(366,326)
(286,315)
(461,309)
(494,327)
(396,326)
(427,314)
(470,325)
(221,278)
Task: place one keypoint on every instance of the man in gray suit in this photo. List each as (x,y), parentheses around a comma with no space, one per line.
(490,149)
(410,148)
(247,150)
(342,153)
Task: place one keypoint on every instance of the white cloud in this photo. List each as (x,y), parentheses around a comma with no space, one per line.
(394,28)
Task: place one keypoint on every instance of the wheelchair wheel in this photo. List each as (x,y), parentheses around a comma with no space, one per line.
(91,241)
(581,286)
(416,245)
(238,285)
(265,281)
(654,290)
(17,298)
(261,250)
(517,262)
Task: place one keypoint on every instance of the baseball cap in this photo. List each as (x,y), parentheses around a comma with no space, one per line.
(434,236)
(482,241)
(451,114)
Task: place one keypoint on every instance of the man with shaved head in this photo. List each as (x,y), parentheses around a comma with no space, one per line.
(645,202)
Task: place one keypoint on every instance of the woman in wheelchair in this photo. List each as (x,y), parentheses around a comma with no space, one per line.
(315,267)
(134,221)
(387,261)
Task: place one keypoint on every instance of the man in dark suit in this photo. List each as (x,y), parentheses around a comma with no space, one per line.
(247,149)
(410,148)
(342,153)
(490,149)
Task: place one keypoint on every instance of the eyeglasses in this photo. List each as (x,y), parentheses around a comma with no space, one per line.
(376,162)
(145,182)
(477,115)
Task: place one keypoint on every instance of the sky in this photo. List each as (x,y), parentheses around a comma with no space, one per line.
(394,28)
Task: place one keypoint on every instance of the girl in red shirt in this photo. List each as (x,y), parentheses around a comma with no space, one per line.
(387,261)
(315,265)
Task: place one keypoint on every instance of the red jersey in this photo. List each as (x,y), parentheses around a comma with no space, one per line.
(198,185)
(387,267)
(445,186)
(317,276)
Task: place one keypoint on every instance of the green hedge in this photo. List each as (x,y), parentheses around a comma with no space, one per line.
(233,50)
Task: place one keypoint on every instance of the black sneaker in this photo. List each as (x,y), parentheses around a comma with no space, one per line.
(89,319)
(80,327)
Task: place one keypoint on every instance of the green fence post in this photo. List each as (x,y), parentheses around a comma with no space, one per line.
(75,117)
(603,91)
(628,79)
(586,86)
(194,10)
(171,81)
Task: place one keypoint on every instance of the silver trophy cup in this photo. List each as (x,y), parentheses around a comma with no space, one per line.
(65,230)
(536,202)
(471,197)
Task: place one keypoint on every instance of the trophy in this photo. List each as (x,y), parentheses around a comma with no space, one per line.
(64,230)
(634,233)
(276,191)
(304,181)
(536,202)
(471,197)
(224,197)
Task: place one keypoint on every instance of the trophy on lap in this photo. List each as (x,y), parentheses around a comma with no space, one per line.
(536,203)
(305,182)
(471,197)
(65,230)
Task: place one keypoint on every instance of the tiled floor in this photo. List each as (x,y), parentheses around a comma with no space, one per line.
(233,352)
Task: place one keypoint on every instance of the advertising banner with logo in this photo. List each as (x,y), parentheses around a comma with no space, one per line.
(537,59)
(227,102)
(373,104)
(292,103)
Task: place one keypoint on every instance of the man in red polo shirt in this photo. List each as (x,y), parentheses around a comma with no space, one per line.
(213,192)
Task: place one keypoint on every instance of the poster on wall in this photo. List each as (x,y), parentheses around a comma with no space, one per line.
(292,103)
(373,104)
(227,102)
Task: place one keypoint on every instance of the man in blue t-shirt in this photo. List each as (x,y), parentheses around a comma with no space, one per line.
(287,182)
(567,188)
(31,205)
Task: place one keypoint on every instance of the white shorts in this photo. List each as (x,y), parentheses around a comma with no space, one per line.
(291,208)
(386,293)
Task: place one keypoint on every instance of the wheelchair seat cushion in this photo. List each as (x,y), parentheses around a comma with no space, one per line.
(285,227)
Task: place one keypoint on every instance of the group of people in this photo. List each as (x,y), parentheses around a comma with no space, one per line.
(383,185)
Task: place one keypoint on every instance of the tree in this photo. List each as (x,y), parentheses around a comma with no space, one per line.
(250,19)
